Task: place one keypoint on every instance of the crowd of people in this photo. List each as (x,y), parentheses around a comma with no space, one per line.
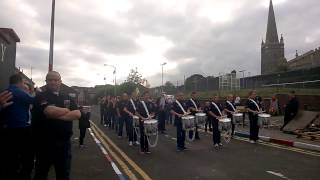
(35,129)
(117,112)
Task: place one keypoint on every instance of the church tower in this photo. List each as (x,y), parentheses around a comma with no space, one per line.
(272,50)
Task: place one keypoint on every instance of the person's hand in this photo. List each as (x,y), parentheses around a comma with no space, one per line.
(5,98)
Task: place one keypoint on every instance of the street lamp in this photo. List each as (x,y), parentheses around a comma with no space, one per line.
(115,77)
(162,75)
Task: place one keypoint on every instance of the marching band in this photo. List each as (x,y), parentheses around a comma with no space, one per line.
(141,118)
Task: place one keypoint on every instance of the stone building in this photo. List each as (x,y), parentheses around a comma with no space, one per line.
(310,59)
(272,50)
(8,40)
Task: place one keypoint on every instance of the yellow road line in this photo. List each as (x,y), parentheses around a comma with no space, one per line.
(131,162)
(114,155)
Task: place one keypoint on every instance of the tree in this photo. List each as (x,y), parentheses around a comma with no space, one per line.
(135,77)
(169,88)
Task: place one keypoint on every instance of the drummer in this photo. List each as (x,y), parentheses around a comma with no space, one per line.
(206,110)
(178,110)
(194,107)
(145,111)
(230,109)
(130,108)
(253,110)
(216,113)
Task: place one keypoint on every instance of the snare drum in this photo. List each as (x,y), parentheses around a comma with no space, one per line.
(224,124)
(201,118)
(188,122)
(237,117)
(263,119)
(135,121)
(150,127)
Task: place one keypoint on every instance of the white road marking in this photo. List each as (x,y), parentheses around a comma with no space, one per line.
(277,174)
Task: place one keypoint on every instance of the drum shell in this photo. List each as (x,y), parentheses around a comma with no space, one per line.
(188,122)
(200,120)
(224,125)
(150,128)
(237,118)
(263,120)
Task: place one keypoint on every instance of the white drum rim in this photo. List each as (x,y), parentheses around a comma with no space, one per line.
(200,114)
(264,115)
(152,121)
(237,114)
(225,120)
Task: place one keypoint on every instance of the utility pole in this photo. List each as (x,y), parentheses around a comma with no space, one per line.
(52,36)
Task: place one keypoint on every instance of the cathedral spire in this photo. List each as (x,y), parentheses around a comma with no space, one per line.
(272,34)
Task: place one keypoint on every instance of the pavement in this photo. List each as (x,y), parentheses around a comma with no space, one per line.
(235,160)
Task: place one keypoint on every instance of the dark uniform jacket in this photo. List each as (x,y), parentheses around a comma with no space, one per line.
(229,107)
(253,107)
(176,108)
(215,111)
(47,128)
(191,105)
(141,110)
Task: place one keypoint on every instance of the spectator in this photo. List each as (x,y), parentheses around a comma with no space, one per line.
(16,145)
(274,106)
(5,98)
(291,109)
(84,123)
(53,114)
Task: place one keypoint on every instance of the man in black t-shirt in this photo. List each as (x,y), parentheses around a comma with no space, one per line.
(193,105)
(216,113)
(253,109)
(53,114)
(179,109)
(230,108)
(145,111)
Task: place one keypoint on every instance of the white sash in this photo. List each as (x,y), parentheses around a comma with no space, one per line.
(255,103)
(181,107)
(134,106)
(145,108)
(231,106)
(194,104)
(217,108)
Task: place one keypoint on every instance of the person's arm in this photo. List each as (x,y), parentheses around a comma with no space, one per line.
(127,111)
(213,115)
(5,98)
(175,113)
(54,112)
(71,116)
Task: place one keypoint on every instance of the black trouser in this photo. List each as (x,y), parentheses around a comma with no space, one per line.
(162,121)
(181,134)
(107,118)
(208,123)
(56,153)
(143,138)
(82,135)
(216,137)
(112,119)
(232,124)
(254,128)
(286,120)
(17,156)
(101,116)
(121,122)
(131,131)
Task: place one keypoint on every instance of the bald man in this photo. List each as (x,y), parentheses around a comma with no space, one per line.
(53,114)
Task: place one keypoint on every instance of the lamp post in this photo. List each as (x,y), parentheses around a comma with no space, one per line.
(51,36)
(115,77)
(162,75)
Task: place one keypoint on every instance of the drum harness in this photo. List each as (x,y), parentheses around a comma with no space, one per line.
(156,140)
(136,129)
(187,131)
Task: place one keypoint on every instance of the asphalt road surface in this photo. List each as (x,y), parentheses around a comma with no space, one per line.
(236,160)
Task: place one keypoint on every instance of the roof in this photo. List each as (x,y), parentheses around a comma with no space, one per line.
(10,32)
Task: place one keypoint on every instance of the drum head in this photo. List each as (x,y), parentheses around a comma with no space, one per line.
(188,117)
(200,114)
(264,115)
(237,114)
(135,117)
(152,121)
(225,120)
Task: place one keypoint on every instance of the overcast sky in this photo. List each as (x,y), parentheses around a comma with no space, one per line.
(192,36)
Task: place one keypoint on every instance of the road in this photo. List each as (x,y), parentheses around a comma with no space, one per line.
(236,160)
